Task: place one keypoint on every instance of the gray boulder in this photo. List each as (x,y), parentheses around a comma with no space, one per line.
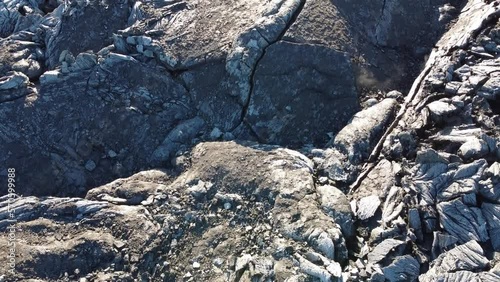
(466,257)
(336,204)
(354,143)
(405,268)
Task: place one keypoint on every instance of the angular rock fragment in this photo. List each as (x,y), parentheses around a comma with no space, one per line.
(14,86)
(367,207)
(463,222)
(383,249)
(438,181)
(415,222)
(440,110)
(473,149)
(491,89)
(468,257)
(442,242)
(393,204)
(405,268)
(491,213)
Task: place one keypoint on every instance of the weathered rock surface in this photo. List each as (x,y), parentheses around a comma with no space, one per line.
(466,257)
(73,120)
(404,191)
(253,204)
(298,99)
(353,144)
(255,70)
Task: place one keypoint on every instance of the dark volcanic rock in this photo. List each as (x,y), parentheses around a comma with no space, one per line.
(73,121)
(83,16)
(407,190)
(405,268)
(468,256)
(463,222)
(299,101)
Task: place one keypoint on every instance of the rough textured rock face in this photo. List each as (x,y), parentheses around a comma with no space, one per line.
(299,98)
(120,136)
(252,205)
(68,132)
(181,70)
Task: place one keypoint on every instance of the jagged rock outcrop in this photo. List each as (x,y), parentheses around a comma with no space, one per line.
(109,129)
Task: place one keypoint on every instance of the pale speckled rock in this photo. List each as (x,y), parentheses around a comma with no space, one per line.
(367,207)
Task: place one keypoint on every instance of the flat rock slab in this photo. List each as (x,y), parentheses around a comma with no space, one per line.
(192,32)
(65,234)
(382,250)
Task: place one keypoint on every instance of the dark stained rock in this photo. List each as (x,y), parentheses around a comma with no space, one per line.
(324,92)
(83,105)
(21,56)
(112,15)
(73,120)
(382,250)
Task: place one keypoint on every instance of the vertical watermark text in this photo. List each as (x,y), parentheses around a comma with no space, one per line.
(11,230)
